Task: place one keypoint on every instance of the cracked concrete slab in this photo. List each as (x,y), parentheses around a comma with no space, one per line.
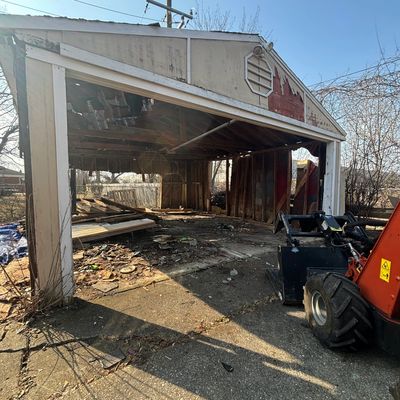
(169,340)
(9,374)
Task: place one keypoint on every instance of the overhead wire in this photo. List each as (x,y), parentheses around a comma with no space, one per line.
(115,11)
(390,61)
(85,3)
(145,11)
(30,8)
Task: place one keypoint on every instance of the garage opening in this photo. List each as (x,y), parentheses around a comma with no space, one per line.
(189,159)
(307,179)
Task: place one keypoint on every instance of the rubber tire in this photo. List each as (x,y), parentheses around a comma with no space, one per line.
(348,321)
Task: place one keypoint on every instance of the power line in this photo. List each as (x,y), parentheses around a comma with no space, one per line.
(115,11)
(30,8)
(390,61)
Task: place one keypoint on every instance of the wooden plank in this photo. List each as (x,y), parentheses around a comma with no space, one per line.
(133,134)
(72,184)
(236,182)
(114,203)
(108,218)
(227,192)
(76,145)
(245,191)
(96,231)
(107,206)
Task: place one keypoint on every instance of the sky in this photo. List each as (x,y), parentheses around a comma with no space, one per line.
(318,39)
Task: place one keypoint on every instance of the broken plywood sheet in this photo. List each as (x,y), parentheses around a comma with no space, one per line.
(96,231)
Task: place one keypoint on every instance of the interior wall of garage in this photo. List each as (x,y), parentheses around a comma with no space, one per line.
(260,185)
(186,184)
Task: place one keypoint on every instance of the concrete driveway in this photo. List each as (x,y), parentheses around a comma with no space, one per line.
(198,336)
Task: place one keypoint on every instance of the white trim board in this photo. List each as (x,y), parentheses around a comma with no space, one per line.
(64,200)
(46,23)
(102,70)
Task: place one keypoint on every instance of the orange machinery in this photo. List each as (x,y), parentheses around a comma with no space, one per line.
(356,301)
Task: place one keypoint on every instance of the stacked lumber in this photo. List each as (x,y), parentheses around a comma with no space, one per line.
(99,218)
(104,210)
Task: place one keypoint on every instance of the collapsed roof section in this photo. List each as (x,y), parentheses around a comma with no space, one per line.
(118,131)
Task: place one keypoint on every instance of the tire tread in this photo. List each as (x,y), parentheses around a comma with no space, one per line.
(349,324)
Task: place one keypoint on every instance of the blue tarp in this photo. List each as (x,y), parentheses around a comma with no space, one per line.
(12,243)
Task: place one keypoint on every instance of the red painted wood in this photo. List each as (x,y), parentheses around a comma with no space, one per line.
(283,101)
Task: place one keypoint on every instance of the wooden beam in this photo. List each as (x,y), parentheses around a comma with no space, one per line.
(182,126)
(197,138)
(133,134)
(72,184)
(77,145)
(227,192)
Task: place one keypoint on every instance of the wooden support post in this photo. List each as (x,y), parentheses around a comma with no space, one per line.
(25,146)
(236,185)
(263,189)
(72,183)
(245,191)
(187,163)
(207,184)
(253,189)
(47,109)
(275,182)
(227,191)
(331,199)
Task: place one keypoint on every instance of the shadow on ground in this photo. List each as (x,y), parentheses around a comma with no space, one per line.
(198,338)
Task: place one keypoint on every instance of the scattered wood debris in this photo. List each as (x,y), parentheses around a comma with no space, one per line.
(174,211)
(15,291)
(99,218)
(4,310)
(105,210)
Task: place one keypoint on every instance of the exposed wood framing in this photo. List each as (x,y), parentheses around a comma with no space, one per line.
(260,186)
(187,185)
(72,183)
(202,136)
(306,196)
(102,70)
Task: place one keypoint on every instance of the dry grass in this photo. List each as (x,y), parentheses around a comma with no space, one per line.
(12,208)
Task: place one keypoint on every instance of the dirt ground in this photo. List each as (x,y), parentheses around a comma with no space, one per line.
(196,319)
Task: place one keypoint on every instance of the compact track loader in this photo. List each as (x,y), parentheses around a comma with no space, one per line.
(348,281)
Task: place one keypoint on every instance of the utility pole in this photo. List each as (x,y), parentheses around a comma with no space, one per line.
(169,15)
(170,10)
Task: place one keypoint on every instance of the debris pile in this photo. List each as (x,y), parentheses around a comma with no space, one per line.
(14,287)
(106,267)
(102,266)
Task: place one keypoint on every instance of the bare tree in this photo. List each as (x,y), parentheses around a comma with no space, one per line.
(214,19)
(368,108)
(8,124)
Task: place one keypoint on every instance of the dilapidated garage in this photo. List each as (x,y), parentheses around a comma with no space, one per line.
(130,98)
